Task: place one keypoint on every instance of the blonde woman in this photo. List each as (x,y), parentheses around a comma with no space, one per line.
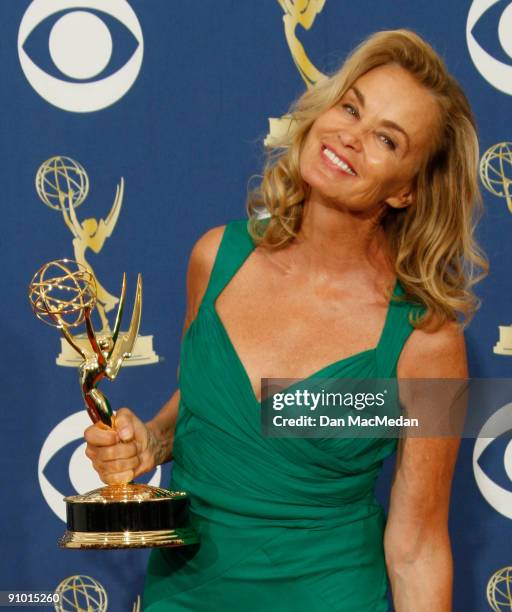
(362,268)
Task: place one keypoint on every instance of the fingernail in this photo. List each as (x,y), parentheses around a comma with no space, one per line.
(125,434)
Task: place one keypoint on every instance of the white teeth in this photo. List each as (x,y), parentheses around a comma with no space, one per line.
(336,160)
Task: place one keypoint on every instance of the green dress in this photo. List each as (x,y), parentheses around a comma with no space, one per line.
(285,524)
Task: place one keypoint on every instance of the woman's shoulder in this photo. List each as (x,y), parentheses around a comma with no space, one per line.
(205,249)
(200,266)
(206,246)
(202,259)
(438,351)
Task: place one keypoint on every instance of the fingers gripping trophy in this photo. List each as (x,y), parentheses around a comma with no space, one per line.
(63,294)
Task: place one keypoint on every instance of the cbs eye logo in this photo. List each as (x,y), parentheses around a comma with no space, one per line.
(81,49)
(495,63)
(498,496)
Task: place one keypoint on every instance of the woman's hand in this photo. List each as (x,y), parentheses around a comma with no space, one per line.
(119,455)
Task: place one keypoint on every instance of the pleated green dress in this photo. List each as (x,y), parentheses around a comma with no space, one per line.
(286,524)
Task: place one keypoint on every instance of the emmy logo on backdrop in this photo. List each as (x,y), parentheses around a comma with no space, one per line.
(63,185)
(303,13)
(81,593)
(496,175)
(496,171)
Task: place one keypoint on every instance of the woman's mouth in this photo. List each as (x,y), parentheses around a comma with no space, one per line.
(342,165)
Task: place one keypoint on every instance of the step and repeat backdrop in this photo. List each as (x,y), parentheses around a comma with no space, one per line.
(128,128)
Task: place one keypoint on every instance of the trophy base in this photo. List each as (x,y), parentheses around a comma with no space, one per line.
(128,539)
(128,516)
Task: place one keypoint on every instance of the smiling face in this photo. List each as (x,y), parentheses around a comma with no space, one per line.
(367,149)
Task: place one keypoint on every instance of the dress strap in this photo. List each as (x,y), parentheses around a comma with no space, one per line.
(234,248)
(397,330)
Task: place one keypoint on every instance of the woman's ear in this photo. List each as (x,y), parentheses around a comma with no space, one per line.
(402,200)
(399,202)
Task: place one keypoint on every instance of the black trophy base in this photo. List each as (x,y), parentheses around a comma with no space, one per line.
(128,516)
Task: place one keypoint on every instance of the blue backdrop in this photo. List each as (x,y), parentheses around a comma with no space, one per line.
(183,124)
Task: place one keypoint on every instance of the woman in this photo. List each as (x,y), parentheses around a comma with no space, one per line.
(361,270)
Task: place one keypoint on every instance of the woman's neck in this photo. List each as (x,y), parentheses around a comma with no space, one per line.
(332,242)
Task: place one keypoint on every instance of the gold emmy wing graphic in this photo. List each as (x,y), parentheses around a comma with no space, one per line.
(496,176)
(63,185)
(296,12)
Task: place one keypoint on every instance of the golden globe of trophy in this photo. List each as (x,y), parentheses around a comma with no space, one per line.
(129,515)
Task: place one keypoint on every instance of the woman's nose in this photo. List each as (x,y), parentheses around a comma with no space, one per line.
(351,137)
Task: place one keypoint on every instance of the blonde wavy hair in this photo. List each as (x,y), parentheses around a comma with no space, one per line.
(431,241)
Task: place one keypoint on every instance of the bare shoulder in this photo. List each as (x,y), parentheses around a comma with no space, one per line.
(202,258)
(204,251)
(438,353)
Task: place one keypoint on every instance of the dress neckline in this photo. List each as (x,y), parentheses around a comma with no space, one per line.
(234,352)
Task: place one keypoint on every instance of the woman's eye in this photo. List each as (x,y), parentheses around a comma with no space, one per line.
(388,142)
(351,109)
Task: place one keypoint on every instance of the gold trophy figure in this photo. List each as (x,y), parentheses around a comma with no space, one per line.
(303,13)
(63,294)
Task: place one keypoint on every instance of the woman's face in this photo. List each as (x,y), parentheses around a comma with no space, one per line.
(367,149)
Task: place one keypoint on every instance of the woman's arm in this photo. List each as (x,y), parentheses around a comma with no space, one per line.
(161,427)
(416,540)
(161,430)
(134,447)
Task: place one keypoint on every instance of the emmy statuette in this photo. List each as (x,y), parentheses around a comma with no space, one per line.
(63,295)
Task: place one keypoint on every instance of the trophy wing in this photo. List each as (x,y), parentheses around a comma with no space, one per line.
(125,342)
(119,316)
(106,226)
